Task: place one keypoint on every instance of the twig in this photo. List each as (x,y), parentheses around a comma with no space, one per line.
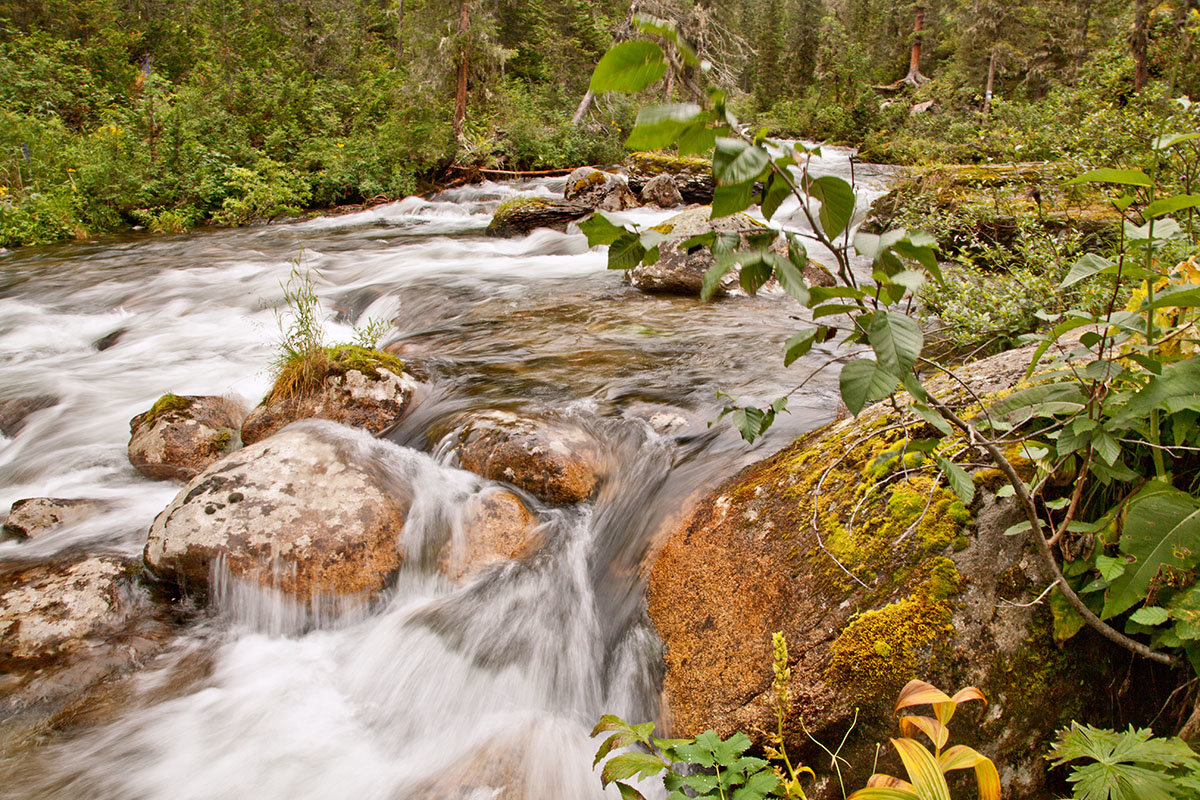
(1035,601)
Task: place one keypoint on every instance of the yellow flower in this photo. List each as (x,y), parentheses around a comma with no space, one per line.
(339,144)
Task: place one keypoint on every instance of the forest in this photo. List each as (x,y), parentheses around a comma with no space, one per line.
(169,115)
(732,399)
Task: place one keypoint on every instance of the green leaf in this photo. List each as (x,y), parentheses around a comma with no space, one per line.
(602,229)
(1124,177)
(754,275)
(1169,140)
(864,381)
(837,203)
(1150,615)
(627,765)
(776,192)
(791,279)
(757,786)
(1169,205)
(799,345)
(958,478)
(629,67)
(1029,400)
(1109,567)
(1178,386)
(628,792)
(732,198)
(1090,264)
(712,278)
(933,418)
(897,341)
(1162,530)
(735,161)
(1106,447)
(626,251)
(659,126)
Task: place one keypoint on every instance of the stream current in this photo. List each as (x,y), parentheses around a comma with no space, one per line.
(504,675)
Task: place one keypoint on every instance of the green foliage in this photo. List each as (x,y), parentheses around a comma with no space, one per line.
(1132,765)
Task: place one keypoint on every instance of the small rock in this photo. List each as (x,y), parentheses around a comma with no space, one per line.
(521,215)
(182,435)
(662,191)
(302,512)
(693,176)
(373,397)
(597,189)
(110,339)
(497,527)
(35,517)
(550,458)
(13,413)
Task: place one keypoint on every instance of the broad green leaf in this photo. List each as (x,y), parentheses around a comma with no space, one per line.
(757,787)
(791,279)
(775,193)
(626,251)
(1124,177)
(629,67)
(799,345)
(1177,387)
(1158,230)
(602,229)
(669,31)
(754,274)
(628,765)
(837,203)
(1109,567)
(659,126)
(933,418)
(1150,615)
(1169,205)
(1161,530)
(1030,400)
(897,341)
(1169,140)
(958,478)
(735,161)
(1106,447)
(732,198)
(1090,264)
(1067,621)
(698,137)
(713,277)
(628,792)
(864,381)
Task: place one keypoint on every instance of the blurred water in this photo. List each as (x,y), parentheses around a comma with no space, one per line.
(440,690)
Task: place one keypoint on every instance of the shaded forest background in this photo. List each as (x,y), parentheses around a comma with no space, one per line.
(173,113)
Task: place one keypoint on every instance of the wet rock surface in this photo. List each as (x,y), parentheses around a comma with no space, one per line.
(692,176)
(599,190)
(373,400)
(550,457)
(306,512)
(183,434)
(35,517)
(875,578)
(497,527)
(14,412)
(521,216)
(662,191)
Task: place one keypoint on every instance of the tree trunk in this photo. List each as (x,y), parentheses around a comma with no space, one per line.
(1138,44)
(991,83)
(460,93)
(914,76)
(1085,24)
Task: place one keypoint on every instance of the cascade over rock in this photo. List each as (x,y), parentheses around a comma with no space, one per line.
(922,587)
(303,511)
(181,435)
(496,526)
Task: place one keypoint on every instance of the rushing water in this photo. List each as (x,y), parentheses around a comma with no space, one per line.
(441,686)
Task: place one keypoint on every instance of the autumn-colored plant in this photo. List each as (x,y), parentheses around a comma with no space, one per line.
(926,770)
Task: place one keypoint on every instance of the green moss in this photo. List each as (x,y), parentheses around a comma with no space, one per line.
(165,405)
(508,207)
(347,357)
(662,163)
(305,373)
(220,440)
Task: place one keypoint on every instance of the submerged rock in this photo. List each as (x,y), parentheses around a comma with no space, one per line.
(662,191)
(678,271)
(303,512)
(14,412)
(35,517)
(600,190)
(521,215)
(497,527)
(875,578)
(68,625)
(182,434)
(361,388)
(549,457)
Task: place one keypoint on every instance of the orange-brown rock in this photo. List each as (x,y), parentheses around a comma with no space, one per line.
(549,457)
(496,527)
(182,434)
(304,512)
(374,400)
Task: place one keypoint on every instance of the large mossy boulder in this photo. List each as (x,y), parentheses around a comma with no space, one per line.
(693,176)
(876,573)
(599,190)
(348,384)
(964,204)
(309,512)
(680,271)
(181,435)
(522,215)
(550,457)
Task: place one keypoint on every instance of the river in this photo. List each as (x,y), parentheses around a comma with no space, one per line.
(506,673)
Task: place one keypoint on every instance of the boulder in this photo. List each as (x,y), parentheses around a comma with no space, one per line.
(598,190)
(496,527)
(662,191)
(362,388)
(519,216)
(181,435)
(35,517)
(693,176)
(678,271)
(875,577)
(549,457)
(14,412)
(69,625)
(305,512)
